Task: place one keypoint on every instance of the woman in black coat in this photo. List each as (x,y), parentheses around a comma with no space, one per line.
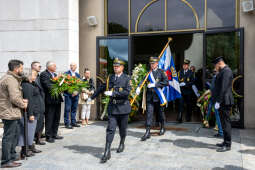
(35,108)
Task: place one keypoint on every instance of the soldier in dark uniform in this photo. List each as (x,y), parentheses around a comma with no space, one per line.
(224,100)
(118,108)
(152,99)
(186,80)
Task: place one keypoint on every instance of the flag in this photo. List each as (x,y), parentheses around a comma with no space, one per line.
(166,63)
(159,91)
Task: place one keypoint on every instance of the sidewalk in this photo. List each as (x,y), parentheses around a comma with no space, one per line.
(180,148)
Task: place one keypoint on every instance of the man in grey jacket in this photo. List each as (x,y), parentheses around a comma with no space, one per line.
(11,103)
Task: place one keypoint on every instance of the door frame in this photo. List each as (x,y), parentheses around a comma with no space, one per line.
(240,123)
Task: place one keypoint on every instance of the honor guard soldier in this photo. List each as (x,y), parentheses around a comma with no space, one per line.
(118,89)
(186,80)
(156,81)
(224,100)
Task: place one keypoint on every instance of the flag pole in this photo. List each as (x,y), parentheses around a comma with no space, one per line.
(146,77)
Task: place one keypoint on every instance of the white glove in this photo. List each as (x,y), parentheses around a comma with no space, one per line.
(137,91)
(89,99)
(108,93)
(182,84)
(151,85)
(217,105)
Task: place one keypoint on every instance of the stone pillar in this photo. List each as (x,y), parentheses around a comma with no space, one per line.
(39,30)
(88,37)
(247,21)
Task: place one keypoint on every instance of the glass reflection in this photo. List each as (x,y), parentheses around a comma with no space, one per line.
(221,13)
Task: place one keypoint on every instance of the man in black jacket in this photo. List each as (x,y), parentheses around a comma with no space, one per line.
(152,98)
(224,100)
(117,89)
(36,66)
(52,105)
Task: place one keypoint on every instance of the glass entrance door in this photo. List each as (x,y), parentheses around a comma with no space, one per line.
(228,44)
(109,48)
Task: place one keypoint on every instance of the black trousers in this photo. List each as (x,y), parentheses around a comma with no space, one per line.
(154,107)
(10,140)
(186,99)
(52,118)
(226,123)
(40,124)
(113,121)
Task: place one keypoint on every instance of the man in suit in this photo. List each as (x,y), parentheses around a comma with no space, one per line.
(118,108)
(224,100)
(52,104)
(186,79)
(71,101)
(152,98)
(36,66)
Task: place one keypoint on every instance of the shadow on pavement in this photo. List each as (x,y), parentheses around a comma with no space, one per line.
(229,167)
(94,151)
(248,151)
(188,143)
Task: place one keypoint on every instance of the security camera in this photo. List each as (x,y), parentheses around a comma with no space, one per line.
(92,21)
(247,5)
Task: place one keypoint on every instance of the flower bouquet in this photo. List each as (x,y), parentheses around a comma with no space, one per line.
(67,83)
(138,75)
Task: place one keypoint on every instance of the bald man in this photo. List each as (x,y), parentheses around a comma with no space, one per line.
(71,101)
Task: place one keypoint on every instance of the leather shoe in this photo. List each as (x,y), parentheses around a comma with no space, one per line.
(11,165)
(218,135)
(50,140)
(58,137)
(76,125)
(220,144)
(68,126)
(224,149)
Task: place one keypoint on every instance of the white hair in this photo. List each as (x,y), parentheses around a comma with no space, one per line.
(49,63)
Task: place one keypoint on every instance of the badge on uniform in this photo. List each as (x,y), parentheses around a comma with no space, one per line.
(120,89)
(157,80)
(182,80)
(187,79)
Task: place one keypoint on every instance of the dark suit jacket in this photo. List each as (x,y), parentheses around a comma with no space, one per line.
(188,79)
(162,81)
(45,79)
(76,75)
(91,83)
(119,103)
(223,87)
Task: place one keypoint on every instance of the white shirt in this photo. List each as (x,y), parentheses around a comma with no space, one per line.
(73,73)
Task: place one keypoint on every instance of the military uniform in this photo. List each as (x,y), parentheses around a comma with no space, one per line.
(153,101)
(224,98)
(118,108)
(187,78)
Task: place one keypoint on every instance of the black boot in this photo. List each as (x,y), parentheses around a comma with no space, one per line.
(24,153)
(147,134)
(179,117)
(107,153)
(162,129)
(38,139)
(33,149)
(121,146)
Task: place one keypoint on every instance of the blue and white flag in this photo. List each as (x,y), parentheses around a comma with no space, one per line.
(159,91)
(166,63)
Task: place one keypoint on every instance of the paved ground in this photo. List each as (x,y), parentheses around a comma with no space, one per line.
(177,149)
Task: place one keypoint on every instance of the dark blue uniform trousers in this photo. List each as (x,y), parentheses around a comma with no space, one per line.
(113,121)
(151,108)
